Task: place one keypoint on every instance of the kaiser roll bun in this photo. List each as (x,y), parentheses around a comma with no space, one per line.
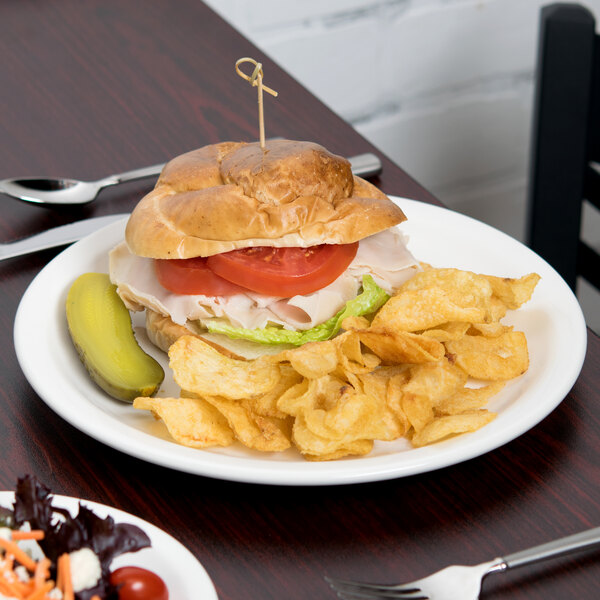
(236,195)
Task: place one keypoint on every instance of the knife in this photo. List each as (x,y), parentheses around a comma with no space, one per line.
(57,236)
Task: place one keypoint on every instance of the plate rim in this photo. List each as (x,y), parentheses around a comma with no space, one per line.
(374,468)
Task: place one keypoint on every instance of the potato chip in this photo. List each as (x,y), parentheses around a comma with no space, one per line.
(404,375)
(444,427)
(348,419)
(453,330)
(436,381)
(396,347)
(312,360)
(513,292)
(266,434)
(348,346)
(377,381)
(266,405)
(354,416)
(418,309)
(488,329)
(498,358)
(496,310)
(310,394)
(351,357)
(316,447)
(418,409)
(467,289)
(201,369)
(382,376)
(468,399)
(293,400)
(190,421)
(394,396)
(449,279)
(358,448)
(355,323)
(380,385)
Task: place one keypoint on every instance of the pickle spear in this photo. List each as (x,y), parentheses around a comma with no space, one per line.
(101,329)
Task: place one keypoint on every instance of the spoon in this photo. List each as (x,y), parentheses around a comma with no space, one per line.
(60,190)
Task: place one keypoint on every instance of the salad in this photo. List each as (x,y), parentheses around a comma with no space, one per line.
(48,554)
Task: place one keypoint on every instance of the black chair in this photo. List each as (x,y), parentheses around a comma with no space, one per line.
(565,141)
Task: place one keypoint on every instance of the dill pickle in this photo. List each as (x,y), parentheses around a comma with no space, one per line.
(101,330)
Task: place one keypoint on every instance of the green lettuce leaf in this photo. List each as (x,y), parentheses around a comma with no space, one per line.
(368,301)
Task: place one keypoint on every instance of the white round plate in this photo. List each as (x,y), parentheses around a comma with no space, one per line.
(552,321)
(183,575)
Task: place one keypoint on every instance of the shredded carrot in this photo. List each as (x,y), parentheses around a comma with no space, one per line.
(22,587)
(35,534)
(9,587)
(4,587)
(39,584)
(64,575)
(41,573)
(40,593)
(12,548)
(60,574)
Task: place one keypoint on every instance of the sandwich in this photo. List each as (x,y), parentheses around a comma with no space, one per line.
(257,249)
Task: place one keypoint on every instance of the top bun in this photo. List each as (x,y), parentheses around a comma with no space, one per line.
(236,195)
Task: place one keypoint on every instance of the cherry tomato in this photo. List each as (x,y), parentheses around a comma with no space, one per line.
(139,584)
(192,276)
(284,272)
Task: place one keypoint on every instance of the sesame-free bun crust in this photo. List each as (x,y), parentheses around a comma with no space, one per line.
(236,195)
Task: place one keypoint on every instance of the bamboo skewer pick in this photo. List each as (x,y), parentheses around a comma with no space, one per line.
(256,79)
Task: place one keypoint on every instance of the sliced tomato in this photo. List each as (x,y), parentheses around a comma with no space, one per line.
(192,276)
(284,272)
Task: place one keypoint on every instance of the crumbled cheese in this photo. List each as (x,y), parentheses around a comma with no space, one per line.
(5,533)
(22,573)
(85,569)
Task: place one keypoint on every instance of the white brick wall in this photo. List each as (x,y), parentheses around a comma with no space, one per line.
(445,88)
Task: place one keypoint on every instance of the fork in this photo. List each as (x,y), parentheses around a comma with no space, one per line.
(460,582)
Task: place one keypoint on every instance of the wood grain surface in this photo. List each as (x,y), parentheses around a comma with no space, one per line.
(102,86)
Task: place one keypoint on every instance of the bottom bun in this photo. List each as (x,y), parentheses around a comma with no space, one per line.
(163,332)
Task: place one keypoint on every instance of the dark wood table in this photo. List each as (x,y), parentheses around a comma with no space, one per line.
(96,87)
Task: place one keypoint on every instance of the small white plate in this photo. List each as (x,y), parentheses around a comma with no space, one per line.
(183,575)
(552,321)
